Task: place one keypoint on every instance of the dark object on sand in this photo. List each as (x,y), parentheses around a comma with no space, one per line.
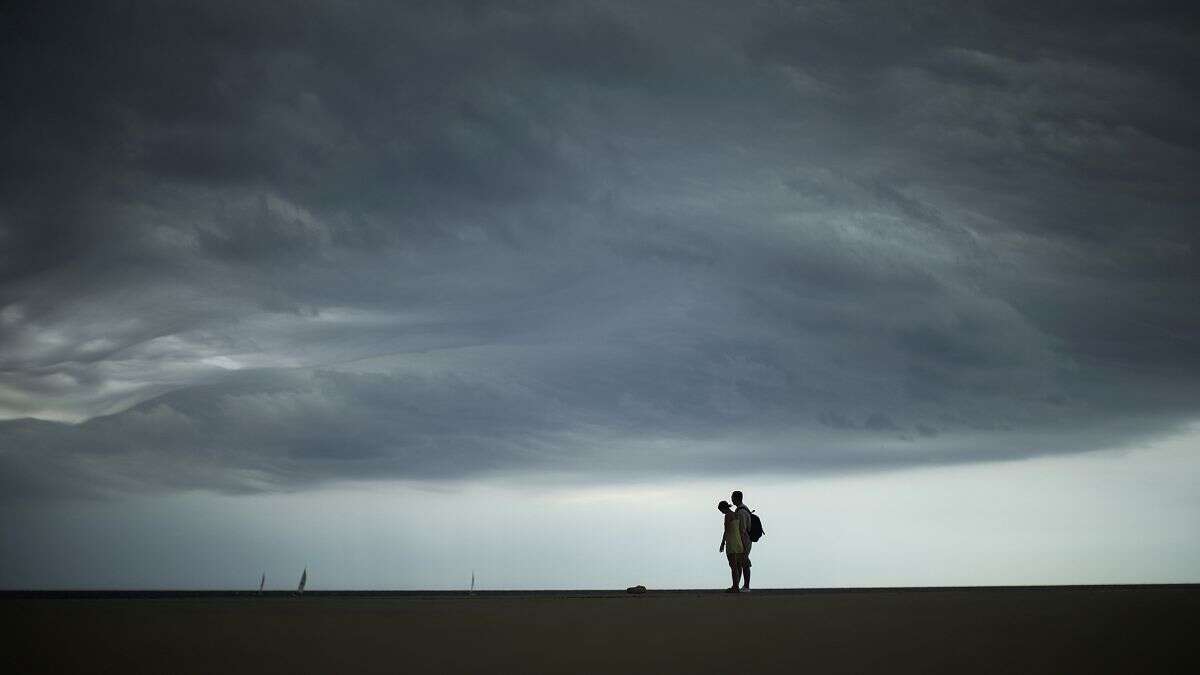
(636,590)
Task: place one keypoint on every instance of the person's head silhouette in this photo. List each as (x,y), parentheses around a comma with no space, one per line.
(736,497)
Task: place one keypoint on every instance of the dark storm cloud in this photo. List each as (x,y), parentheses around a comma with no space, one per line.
(257,246)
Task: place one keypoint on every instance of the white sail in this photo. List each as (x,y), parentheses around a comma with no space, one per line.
(303,580)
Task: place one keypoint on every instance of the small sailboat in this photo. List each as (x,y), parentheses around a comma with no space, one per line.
(472,591)
(303,580)
(262,582)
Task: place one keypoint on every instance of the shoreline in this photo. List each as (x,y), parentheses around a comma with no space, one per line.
(989,629)
(115,594)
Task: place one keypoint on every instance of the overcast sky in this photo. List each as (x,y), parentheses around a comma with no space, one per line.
(260,253)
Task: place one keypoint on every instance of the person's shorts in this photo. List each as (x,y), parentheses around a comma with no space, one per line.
(738,559)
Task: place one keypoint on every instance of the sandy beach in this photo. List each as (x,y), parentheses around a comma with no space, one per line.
(997,630)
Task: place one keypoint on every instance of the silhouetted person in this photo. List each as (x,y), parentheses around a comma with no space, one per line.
(734,542)
(743,515)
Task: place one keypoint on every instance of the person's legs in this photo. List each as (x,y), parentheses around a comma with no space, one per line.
(746,569)
(735,569)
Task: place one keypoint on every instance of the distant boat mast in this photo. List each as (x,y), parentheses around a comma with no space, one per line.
(303,580)
(472,591)
(262,582)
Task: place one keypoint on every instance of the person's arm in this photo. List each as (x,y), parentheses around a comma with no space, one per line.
(722,548)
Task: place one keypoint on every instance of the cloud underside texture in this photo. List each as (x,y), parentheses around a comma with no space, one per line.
(244,247)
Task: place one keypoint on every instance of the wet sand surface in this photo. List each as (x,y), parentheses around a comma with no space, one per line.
(995,630)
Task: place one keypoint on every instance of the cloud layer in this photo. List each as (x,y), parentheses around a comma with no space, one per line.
(248,248)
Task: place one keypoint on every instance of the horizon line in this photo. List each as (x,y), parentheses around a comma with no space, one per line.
(118,594)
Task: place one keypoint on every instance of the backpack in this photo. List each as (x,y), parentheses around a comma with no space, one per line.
(756,531)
